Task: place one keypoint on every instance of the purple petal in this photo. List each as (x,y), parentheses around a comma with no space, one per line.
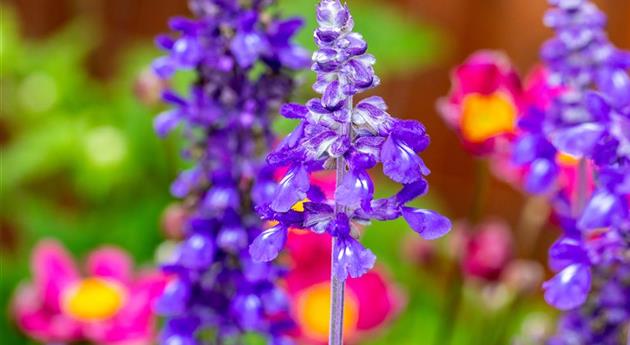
(412,191)
(355,189)
(221,197)
(185,182)
(351,258)
(400,162)
(597,106)
(579,140)
(247,47)
(333,96)
(569,288)
(174,299)
(428,224)
(541,176)
(196,252)
(247,309)
(268,245)
(602,210)
(317,216)
(565,252)
(166,122)
(291,189)
(616,85)
(411,133)
(164,67)
(232,239)
(293,111)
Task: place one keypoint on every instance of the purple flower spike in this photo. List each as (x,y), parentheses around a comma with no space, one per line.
(569,288)
(226,117)
(587,119)
(335,133)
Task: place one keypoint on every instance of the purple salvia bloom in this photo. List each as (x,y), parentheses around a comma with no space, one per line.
(334,133)
(603,317)
(587,119)
(226,118)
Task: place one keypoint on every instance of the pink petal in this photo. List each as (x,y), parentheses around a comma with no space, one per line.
(41,323)
(378,300)
(54,271)
(110,262)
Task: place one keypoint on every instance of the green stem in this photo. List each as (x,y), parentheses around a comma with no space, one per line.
(456,279)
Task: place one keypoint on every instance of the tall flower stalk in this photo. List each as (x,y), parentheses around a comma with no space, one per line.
(334,133)
(243,57)
(590,120)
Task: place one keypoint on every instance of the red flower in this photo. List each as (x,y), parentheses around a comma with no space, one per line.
(370,300)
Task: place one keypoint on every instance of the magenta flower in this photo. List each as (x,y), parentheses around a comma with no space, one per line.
(483,104)
(107,305)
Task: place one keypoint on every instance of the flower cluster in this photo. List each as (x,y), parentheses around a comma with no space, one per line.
(591,117)
(334,133)
(603,316)
(590,120)
(570,143)
(109,305)
(243,58)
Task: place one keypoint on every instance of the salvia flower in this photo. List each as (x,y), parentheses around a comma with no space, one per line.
(336,133)
(602,318)
(109,304)
(588,118)
(243,58)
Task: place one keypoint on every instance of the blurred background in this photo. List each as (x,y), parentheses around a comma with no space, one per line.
(80,161)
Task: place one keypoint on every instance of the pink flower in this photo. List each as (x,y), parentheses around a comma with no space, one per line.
(370,301)
(108,305)
(487,250)
(483,104)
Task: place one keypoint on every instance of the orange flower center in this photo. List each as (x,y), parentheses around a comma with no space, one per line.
(487,116)
(313,310)
(93,299)
(566,159)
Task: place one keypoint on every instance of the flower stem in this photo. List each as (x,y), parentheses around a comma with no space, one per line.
(337,292)
(582,188)
(337,286)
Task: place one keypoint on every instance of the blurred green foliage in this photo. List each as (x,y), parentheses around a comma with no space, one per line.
(80,161)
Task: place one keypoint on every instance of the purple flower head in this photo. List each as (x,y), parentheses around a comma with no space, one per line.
(226,118)
(334,133)
(590,117)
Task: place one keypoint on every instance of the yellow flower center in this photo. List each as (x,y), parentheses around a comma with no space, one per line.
(313,310)
(299,206)
(487,116)
(93,299)
(566,159)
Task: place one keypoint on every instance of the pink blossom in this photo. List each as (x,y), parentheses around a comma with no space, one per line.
(108,305)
